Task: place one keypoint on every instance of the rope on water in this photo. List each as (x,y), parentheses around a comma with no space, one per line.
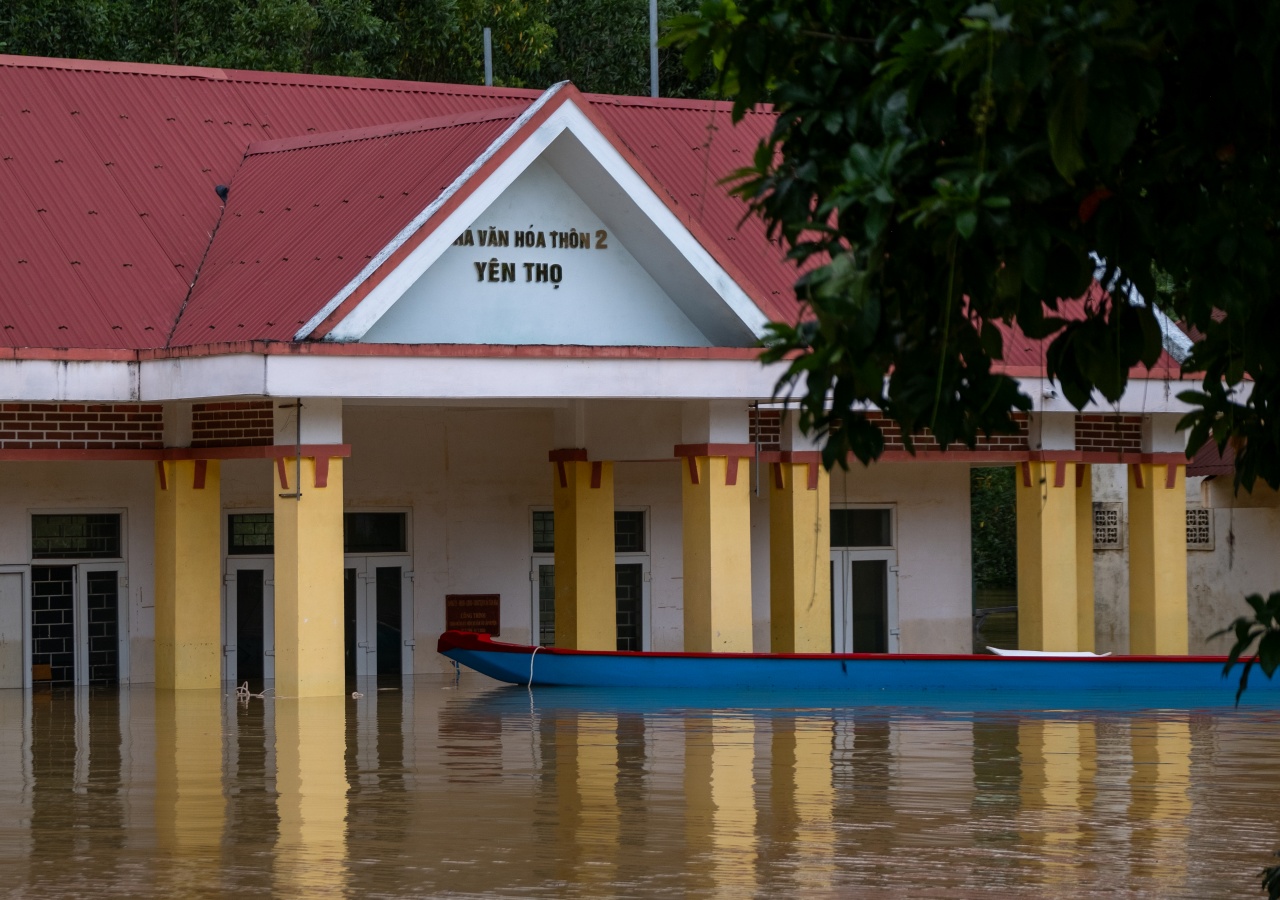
(531,657)
(244,695)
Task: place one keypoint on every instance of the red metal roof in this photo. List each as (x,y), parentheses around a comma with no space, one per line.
(107,175)
(303,219)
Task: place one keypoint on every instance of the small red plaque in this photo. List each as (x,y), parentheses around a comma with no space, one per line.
(480,613)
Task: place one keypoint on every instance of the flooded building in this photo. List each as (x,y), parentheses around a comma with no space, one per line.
(298,371)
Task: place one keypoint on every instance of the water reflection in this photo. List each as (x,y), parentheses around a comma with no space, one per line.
(431,787)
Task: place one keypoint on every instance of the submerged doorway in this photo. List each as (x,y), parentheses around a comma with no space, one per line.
(378,611)
(249,622)
(864,581)
(77,621)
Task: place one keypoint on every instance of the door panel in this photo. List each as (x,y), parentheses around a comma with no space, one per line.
(387,616)
(13,667)
(251,635)
(249,622)
(102,626)
(629,580)
(378,611)
(352,640)
(869,605)
(864,601)
(53,635)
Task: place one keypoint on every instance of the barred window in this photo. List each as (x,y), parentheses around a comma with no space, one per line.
(1108,530)
(251,533)
(1199,528)
(75,536)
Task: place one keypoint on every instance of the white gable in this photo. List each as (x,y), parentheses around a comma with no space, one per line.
(537,267)
(652,283)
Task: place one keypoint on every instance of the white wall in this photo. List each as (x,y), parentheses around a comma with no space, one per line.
(931,502)
(602,296)
(1111,567)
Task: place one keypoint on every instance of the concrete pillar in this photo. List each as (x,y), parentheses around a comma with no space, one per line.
(310,659)
(716,501)
(1084,558)
(715,497)
(188,574)
(586,604)
(1158,540)
(1158,558)
(1048,544)
(799,553)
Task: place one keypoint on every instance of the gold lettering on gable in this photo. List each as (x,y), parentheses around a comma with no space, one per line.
(512,271)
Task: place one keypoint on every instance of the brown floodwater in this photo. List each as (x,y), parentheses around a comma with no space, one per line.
(437,787)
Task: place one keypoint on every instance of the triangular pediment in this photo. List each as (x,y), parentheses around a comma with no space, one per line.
(563,242)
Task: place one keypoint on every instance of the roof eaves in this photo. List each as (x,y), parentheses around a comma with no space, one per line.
(758,295)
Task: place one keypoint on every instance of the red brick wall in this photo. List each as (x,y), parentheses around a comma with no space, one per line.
(81,426)
(925,441)
(241,423)
(765,425)
(1109,434)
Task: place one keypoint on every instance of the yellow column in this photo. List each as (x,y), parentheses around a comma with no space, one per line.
(1160,802)
(308,593)
(1059,765)
(586,592)
(717,547)
(188,573)
(310,855)
(1157,558)
(190,809)
(1048,570)
(1084,557)
(799,554)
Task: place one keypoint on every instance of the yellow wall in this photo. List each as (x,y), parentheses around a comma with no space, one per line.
(717,557)
(309,583)
(1048,570)
(188,573)
(799,559)
(586,601)
(1157,561)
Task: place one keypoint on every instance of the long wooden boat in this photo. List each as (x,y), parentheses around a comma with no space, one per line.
(1166,676)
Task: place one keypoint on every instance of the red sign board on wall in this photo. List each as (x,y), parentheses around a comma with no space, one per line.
(479,613)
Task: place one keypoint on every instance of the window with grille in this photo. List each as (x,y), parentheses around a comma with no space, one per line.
(1199,528)
(1108,526)
(251,534)
(75,536)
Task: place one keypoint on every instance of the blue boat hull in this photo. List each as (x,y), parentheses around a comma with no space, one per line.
(853,673)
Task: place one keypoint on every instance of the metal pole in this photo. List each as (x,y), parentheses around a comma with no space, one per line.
(488,57)
(653,48)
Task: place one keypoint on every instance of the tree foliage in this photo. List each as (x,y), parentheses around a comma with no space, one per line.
(993,518)
(938,166)
(600,45)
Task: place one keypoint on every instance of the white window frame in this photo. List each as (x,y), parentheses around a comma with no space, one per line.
(118,564)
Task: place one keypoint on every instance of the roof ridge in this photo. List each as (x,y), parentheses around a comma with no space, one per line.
(112,66)
(248,76)
(392,129)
